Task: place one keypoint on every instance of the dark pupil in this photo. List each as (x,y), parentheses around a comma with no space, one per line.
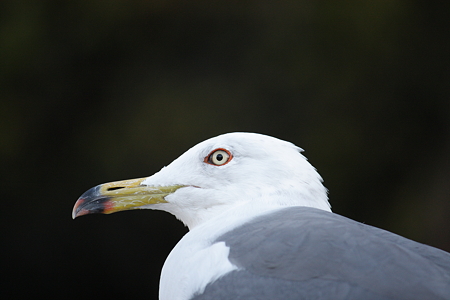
(219,157)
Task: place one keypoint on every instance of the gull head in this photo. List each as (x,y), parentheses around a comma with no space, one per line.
(231,171)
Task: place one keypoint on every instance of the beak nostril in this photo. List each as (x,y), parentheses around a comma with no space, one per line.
(115,188)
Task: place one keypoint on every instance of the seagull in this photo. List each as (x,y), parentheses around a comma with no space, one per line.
(261,227)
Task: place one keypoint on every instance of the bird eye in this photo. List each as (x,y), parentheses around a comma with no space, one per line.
(218,157)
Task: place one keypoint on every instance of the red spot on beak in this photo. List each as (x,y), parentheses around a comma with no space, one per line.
(108,207)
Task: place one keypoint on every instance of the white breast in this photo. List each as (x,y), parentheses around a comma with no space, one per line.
(191,265)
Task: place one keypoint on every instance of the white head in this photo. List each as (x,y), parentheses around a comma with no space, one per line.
(225,172)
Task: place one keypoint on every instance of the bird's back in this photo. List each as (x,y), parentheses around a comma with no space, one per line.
(307,253)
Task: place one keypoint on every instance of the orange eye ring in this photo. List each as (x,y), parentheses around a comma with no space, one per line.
(218,157)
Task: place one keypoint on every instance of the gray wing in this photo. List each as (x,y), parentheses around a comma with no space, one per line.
(306,253)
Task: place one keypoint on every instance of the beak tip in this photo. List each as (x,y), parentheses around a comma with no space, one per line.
(93,203)
(77,210)
(79,213)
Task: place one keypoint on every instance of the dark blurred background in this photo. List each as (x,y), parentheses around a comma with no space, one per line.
(97,91)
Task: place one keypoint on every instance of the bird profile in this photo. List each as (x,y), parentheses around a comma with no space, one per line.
(261,227)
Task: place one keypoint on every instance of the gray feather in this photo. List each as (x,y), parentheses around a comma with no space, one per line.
(307,253)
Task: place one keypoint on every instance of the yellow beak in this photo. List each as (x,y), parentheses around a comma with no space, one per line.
(120,195)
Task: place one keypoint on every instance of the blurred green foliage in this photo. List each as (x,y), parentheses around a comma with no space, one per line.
(95,91)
